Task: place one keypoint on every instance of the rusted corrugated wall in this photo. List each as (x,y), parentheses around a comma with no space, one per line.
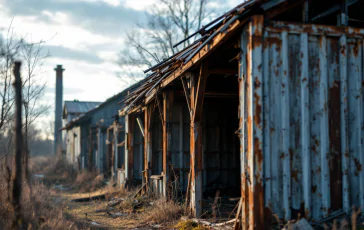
(306,82)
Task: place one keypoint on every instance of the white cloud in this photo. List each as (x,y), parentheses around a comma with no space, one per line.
(139,4)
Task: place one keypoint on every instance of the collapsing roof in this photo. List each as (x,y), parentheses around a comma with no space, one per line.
(219,30)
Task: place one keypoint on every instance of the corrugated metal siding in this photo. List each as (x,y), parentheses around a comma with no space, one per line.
(312,118)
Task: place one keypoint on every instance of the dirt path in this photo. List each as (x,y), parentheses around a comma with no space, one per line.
(96,213)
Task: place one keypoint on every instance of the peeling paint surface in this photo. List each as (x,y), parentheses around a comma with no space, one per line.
(311,127)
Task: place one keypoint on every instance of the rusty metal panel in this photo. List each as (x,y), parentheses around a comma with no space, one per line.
(354,57)
(312,122)
(274,44)
(295,118)
(343,121)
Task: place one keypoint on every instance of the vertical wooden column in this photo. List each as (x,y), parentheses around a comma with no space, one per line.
(167,112)
(197,92)
(181,150)
(99,149)
(242,125)
(129,159)
(111,152)
(344,13)
(254,105)
(131,148)
(89,159)
(115,144)
(147,143)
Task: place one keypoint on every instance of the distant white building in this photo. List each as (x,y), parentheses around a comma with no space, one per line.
(72,110)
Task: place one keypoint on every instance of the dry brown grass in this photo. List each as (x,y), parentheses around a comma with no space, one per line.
(88,182)
(40,208)
(163,211)
(47,208)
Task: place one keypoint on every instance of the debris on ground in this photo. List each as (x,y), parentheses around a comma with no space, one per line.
(302,224)
(94,223)
(92,198)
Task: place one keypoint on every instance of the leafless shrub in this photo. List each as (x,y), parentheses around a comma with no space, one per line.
(163,211)
(41,210)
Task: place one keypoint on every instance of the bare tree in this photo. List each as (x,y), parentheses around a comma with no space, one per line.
(18,151)
(168,22)
(9,49)
(33,56)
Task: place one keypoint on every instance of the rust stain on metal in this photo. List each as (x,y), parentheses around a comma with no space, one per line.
(356,49)
(257,41)
(282,156)
(258,111)
(318,170)
(273,41)
(259,156)
(291,153)
(295,175)
(314,188)
(335,146)
(343,50)
(315,145)
(358,166)
(259,202)
(260,68)
(257,83)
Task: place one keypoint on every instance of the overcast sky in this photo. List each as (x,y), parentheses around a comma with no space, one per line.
(84,36)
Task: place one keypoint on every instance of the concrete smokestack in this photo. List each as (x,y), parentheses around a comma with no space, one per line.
(58,110)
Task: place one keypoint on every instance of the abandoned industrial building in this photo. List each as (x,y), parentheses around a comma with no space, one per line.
(266,106)
(86,127)
(71,111)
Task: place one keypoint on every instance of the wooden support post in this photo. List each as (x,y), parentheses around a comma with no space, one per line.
(89,159)
(167,111)
(344,13)
(254,105)
(146,145)
(197,92)
(148,118)
(129,159)
(305,12)
(115,144)
(113,169)
(131,148)
(141,126)
(99,149)
(181,150)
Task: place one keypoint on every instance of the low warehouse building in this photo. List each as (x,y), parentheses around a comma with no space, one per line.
(86,137)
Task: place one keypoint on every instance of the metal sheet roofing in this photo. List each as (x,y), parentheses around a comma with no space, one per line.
(80,107)
(100,105)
